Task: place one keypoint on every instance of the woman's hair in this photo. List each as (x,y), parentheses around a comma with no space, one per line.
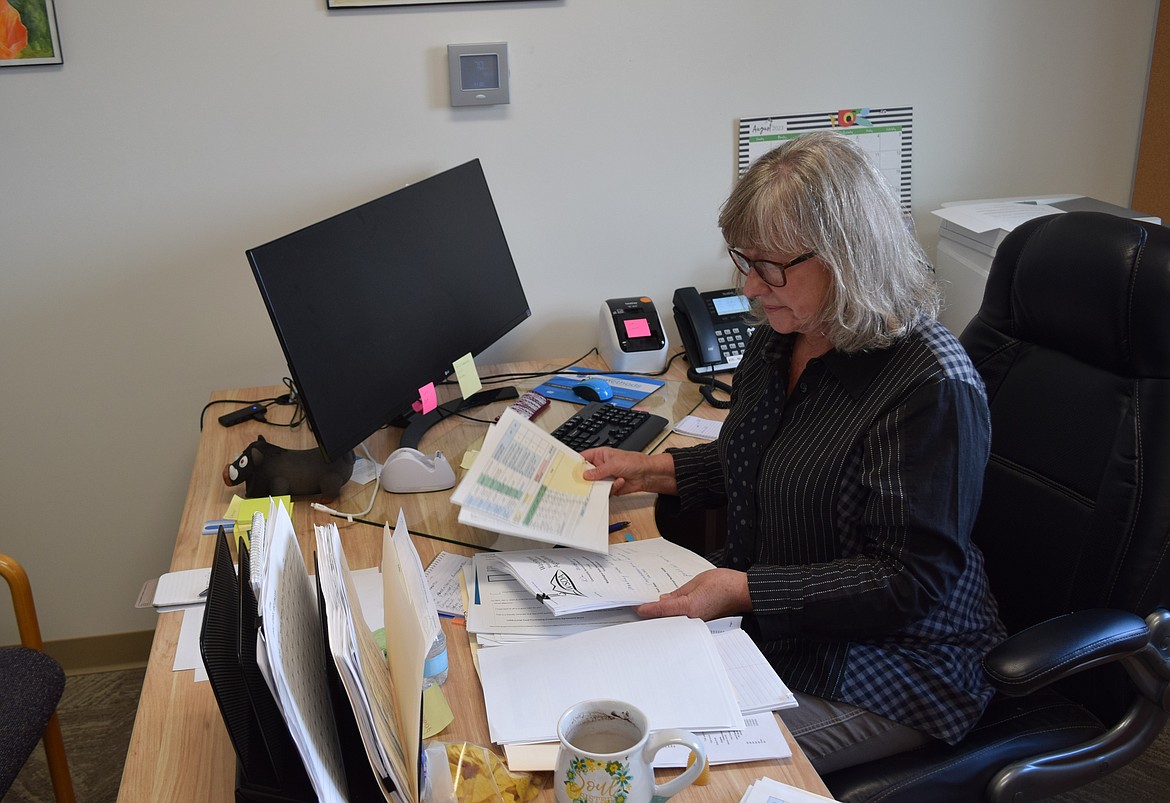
(821,192)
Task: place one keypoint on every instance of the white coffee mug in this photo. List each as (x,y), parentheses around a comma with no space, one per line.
(607,753)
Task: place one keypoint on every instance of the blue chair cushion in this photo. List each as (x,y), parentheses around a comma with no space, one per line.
(31,684)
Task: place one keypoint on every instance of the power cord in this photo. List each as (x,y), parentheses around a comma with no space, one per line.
(257,409)
(351,517)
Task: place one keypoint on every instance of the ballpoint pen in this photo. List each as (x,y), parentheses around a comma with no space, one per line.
(618,525)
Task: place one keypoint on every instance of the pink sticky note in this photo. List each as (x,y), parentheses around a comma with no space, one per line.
(638,327)
(427,400)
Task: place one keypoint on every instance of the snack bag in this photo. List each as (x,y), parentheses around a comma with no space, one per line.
(477,775)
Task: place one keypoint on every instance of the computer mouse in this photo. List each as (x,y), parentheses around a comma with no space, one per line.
(593,390)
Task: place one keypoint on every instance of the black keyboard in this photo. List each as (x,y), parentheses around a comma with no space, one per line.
(600,424)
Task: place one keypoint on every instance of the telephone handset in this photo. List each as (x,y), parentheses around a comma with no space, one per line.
(712,327)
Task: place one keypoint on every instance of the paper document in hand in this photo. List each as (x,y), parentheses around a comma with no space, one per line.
(527,483)
(498,604)
(574,581)
(670,668)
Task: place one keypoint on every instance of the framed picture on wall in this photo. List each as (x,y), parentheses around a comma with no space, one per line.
(357,3)
(28,33)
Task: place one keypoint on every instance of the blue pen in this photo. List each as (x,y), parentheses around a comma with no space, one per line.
(618,525)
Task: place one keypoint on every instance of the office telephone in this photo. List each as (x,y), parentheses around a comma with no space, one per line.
(712,327)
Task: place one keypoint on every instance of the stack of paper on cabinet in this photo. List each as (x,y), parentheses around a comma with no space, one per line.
(528,484)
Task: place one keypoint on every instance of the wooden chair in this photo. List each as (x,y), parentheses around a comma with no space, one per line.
(32,683)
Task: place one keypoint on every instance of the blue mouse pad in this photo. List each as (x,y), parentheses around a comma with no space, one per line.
(627,390)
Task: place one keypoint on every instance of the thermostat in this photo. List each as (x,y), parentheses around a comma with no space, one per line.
(478,73)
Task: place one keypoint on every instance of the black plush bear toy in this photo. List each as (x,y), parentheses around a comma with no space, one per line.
(271,470)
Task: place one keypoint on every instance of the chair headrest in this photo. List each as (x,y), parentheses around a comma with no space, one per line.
(1092,285)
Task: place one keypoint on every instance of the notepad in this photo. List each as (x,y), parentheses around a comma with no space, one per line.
(697,427)
(443,577)
(179,589)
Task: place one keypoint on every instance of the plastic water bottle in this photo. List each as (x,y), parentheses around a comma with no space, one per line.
(435,668)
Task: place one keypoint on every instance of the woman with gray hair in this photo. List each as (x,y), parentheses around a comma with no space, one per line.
(850,466)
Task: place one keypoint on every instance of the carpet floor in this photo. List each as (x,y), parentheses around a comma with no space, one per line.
(97,715)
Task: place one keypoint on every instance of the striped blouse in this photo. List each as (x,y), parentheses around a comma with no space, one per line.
(850,506)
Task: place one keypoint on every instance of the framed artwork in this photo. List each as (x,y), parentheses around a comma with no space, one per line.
(361,3)
(28,33)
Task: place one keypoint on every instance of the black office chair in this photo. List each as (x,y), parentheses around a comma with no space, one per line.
(31,684)
(1073,341)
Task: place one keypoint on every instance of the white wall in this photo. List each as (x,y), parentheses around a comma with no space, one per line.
(176,135)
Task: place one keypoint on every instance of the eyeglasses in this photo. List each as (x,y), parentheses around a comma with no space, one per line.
(772,273)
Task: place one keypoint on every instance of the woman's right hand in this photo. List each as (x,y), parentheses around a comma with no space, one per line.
(631,472)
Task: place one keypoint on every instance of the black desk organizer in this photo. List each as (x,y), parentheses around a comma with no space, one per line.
(269,768)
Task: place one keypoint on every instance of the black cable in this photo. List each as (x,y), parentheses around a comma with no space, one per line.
(708,386)
(284,399)
(209,405)
(381,524)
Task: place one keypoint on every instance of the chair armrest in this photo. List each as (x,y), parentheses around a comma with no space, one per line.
(23,605)
(1063,646)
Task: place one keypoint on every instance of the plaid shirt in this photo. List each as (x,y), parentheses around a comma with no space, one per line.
(850,506)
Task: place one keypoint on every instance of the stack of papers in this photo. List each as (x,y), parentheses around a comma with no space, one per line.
(528,484)
(525,683)
(358,659)
(669,667)
(295,655)
(384,691)
(500,610)
(991,215)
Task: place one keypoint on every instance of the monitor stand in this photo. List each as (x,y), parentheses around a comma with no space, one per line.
(417,425)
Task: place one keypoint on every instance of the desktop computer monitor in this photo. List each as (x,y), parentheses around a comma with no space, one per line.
(377,302)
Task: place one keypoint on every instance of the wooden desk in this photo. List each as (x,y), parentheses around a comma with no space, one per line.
(180,751)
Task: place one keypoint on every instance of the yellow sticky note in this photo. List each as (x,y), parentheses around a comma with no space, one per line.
(468,377)
(436,714)
(242,509)
(468,458)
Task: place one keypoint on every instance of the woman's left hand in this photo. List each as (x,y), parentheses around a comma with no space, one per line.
(709,595)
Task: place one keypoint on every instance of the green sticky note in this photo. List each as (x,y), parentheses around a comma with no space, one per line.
(468,377)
